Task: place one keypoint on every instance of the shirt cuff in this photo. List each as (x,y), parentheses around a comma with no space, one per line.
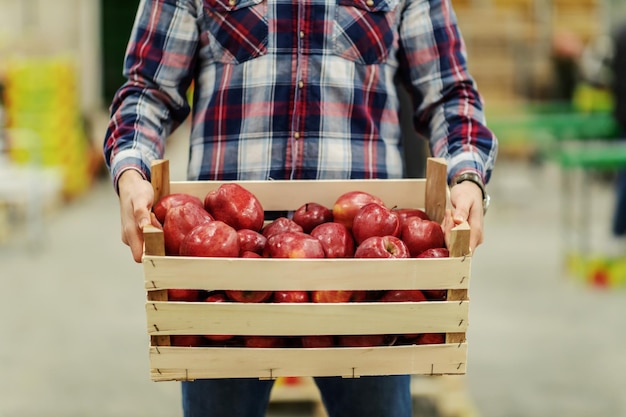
(461,164)
(129,159)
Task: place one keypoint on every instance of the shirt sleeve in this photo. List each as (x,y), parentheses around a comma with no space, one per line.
(449,109)
(158,67)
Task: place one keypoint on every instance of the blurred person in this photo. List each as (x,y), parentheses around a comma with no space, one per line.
(566,52)
(288,89)
(618,67)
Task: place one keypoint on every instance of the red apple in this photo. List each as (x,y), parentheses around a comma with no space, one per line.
(211,239)
(374,219)
(293,296)
(321,341)
(347,205)
(382,247)
(431,339)
(192,340)
(263,341)
(331,296)
(405,213)
(165,203)
(435,253)
(399,296)
(179,294)
(280,225)
(359,296)
(374,295)
(179,221)
(249,254)
(420,235)
(252,241)
(436,295)
(336,240)
(217,297)
(293,245)
(362,340)
(236,206)
(310,215)
(407,339)
(248,296)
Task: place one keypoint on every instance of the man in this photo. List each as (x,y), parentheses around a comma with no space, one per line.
(618,68)
(296,89)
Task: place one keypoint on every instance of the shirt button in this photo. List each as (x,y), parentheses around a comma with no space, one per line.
(301,34)
(232,2)
(296,135)
(370,3)
(300,83)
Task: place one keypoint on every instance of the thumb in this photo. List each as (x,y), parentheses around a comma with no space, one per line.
(143,216)
(143,221)
(143,211)
(461,214)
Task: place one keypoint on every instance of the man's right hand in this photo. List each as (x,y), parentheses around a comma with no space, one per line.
(136,197)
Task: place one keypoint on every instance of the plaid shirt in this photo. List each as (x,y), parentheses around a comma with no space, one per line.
(296,89)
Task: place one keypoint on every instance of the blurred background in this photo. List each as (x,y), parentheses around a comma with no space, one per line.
(546,335)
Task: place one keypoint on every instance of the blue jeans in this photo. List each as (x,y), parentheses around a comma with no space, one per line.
(387,396)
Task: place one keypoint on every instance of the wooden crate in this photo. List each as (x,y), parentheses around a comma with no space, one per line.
(166,318)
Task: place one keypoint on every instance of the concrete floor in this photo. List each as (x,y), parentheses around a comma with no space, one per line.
(72,321)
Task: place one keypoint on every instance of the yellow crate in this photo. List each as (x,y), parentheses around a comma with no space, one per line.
(166,318)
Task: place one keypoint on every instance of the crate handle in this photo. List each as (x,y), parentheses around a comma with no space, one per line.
(160,178)
(436,193)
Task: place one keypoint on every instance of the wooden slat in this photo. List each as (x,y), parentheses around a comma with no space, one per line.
(305,274)
(154,245)
(171,363)
(459,246)
(459,240)
(289,195)
(160,178)
(283,319)
(435,193)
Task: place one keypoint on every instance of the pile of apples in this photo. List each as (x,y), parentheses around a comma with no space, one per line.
(230,222)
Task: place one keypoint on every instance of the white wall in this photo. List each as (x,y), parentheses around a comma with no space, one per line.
(56,27)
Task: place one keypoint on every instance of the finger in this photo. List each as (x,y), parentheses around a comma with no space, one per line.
(476,229)
(136,238)
(142,216)
(132,234)
(472,214)
(461,213)
(137,251)
(133,238)
(155,222)
(475,240)
(447,224)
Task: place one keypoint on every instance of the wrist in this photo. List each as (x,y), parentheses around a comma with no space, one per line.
(128,177)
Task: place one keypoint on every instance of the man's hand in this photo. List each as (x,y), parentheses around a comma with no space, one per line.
(467,205)
(136,196)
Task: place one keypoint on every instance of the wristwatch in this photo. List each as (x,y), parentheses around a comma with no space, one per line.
(476,179)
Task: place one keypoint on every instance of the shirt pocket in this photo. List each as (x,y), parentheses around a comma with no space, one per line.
(238,29)
(365,30)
